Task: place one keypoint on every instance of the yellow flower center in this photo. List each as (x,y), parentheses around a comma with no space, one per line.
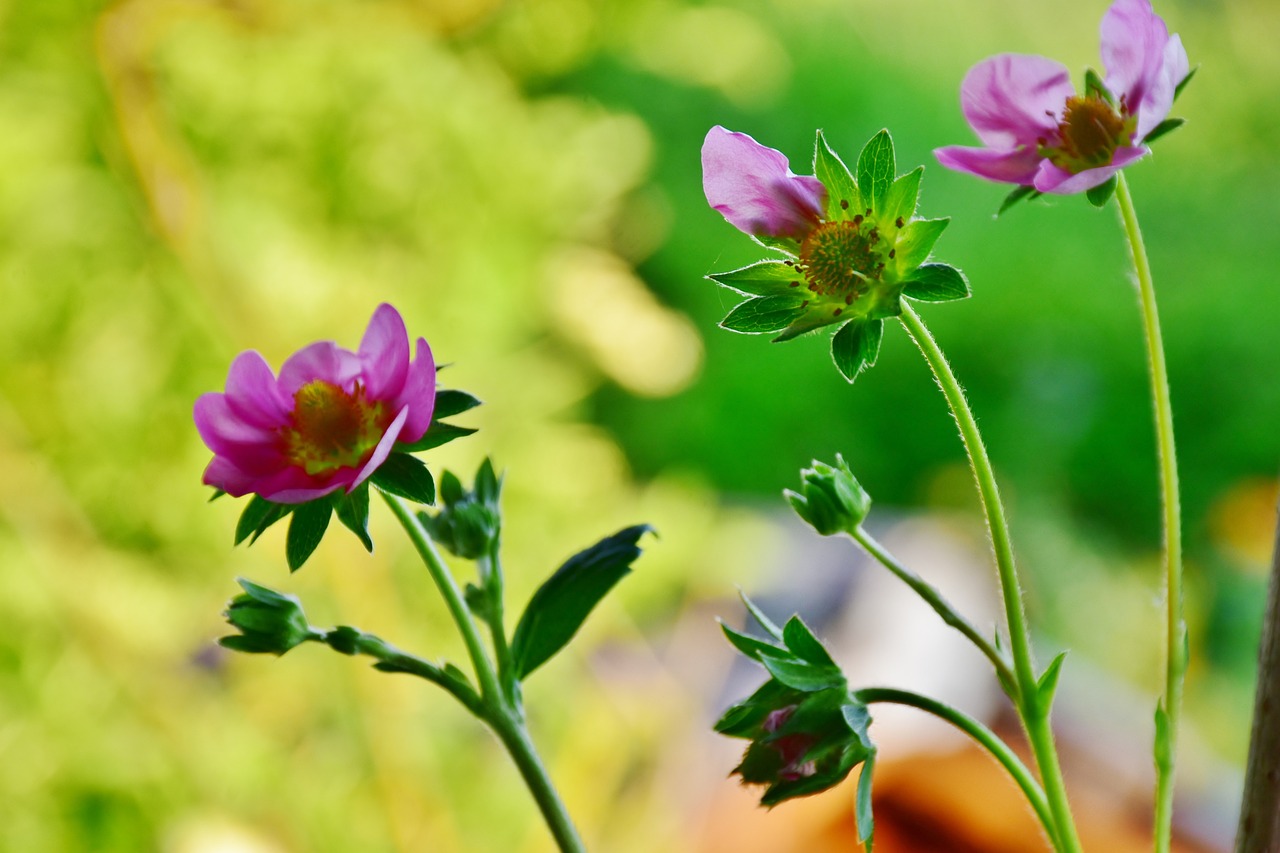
(1089,133)
(840,259)
(332,429)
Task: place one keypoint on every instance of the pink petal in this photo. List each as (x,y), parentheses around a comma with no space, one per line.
(1159,98)
(1052,179)
(384,353)
(1013,99)
(755,189)
(382,451)
(223,474)
(253,394)
(1012,167)
(419,394)
(249,447)
(325,361)
(295,486)
(1139,60)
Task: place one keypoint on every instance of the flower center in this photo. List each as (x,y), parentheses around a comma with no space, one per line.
(332,429)
(840,258)
(1090,131)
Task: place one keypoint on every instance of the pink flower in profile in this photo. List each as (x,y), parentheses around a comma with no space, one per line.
(755,189)
(1039,133)
(327,422)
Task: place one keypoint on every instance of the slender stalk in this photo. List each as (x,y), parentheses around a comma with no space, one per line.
(939,604)
(492,568)
(498,708)
(1175,627)
(1033,711)
(984,737)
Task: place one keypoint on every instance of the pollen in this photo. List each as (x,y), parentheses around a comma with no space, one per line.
(841,259)
(1090,131)
(332,428)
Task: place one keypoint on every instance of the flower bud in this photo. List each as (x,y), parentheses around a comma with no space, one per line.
(268,621)
(830,499)
(469,523)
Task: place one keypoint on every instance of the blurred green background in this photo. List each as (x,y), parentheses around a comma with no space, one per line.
(182,180)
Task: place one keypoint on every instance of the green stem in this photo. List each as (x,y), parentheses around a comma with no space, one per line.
(1033,711)
(985,738)
(1175,627)
(499,710)
(939,604)
(492,569)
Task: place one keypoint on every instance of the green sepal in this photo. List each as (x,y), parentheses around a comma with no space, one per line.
(804,645)
(855,346)
(900,203)
(406,476)
(1101,194)
(786,245)
(477,601)
(762,620)
(741,719)
(217,493)
(936,283)
(451,488)
(1166,126)
(1177,91)
(802,675)
(876,169)
(437,434)
(862,804)
(257,516)
(843,198)
(560,606)
(810,321)
(764,314)
(306,530)
(1017,195)
(270,622)
(353,512)
(1047,684)
(765,278)
(915,242)
(1093,85)
(750,646)
(451,402)
(488,485)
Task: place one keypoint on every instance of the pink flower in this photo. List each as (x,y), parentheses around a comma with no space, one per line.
(1039,133)
(327,422)
(755,189)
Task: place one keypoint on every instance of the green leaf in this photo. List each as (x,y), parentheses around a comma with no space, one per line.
(1177,92)
(1101,194)
(802,675)
(764,314)
(1162,128)
(406,476)
(437,434)
(803,644)
(766,278)
(353,512)
(763,621)
(751,646)
(306,529)
(843,199)
(1018,194)
(450,403)
(854,348)
(258,516)
(936,283)
(900,203)
(916,240)
(560,606)
(1047,685)
(876,169)
(862,804)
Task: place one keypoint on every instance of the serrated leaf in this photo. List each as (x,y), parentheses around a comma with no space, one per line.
(1047,685)
(1177,91)
(750,646)
(306,529)
(862,804)
(1101,194)
(764,314)
(452,402)
(803,644)
(916,240)
(437,434)
(353,512)
(406,476)
(854,348)
(843,199)
(258,515)
(802,675)
(1162,128)
(762,620)
(560,606)
(876,169)
(1017,195)
(936,283)
(765,278)
(901,199)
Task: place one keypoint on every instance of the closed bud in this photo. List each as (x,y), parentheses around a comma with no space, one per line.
(469,521)
(269,622)
(830,499)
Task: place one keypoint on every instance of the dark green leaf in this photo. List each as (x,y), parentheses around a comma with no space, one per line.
(406,476)
(802,643)
(766,278)
(258,515)
(936,283)
(1047,686)
(854,348)
(1177,92)
(450,403)
(862,804)
(1018,194)
(1162,128)
(1101,194)
(353,512)
(764,314)
(437,434)
(801,675)
(843,199)
(560,606)
(876,169)
(253,645)
(915,241)
(901,199)
(306,529)
(751,646)
(764,621)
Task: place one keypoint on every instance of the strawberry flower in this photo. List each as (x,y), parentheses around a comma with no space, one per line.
(1039,133)
(327,422)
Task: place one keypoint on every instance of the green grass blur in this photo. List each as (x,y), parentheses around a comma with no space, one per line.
(180,181)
